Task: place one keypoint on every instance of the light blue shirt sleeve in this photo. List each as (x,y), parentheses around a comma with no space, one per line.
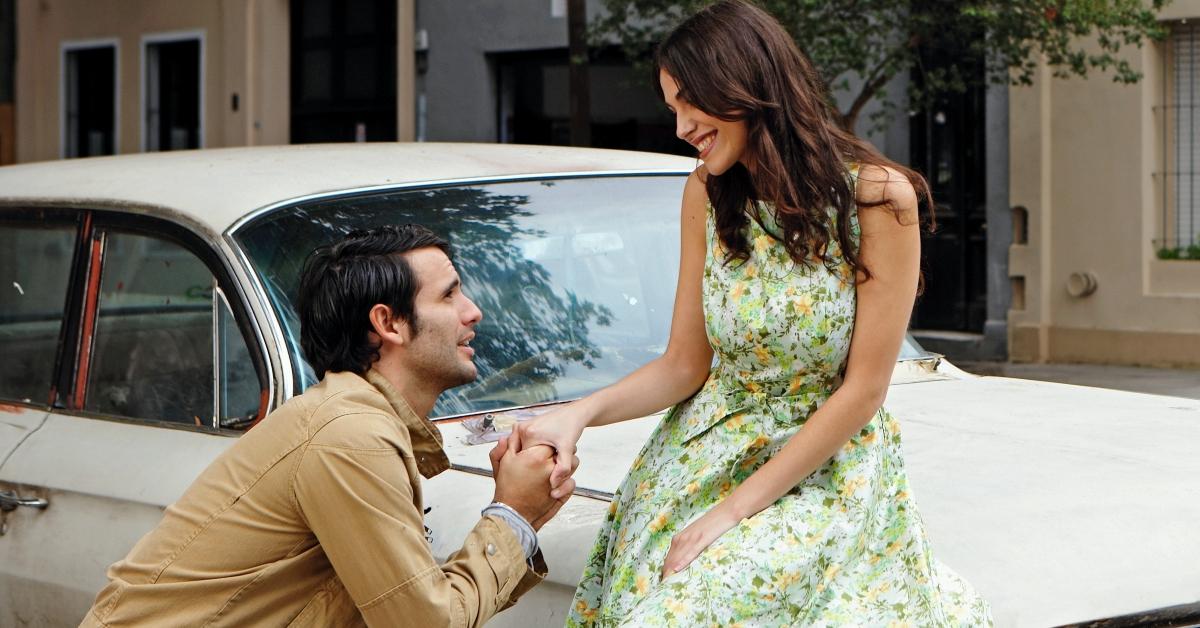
(519,525)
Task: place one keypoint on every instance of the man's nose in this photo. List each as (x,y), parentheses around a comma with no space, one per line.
(471,312)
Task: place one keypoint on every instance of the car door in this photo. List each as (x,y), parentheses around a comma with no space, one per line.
(156,380)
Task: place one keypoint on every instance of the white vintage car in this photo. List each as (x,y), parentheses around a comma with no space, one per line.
(147,319)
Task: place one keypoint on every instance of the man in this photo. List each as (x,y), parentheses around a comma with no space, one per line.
(314,517)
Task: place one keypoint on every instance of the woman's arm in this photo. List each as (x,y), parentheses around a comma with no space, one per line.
(666,380)
(890,247)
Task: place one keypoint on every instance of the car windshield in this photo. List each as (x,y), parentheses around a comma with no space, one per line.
(575,276)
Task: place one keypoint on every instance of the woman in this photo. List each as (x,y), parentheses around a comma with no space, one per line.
(775,492)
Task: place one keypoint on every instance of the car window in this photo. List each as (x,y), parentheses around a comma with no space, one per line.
(35,269)
(161,327)
(575,277)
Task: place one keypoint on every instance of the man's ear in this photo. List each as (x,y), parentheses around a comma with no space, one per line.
(390,329)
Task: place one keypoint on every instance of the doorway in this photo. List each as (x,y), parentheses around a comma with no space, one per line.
(947,145)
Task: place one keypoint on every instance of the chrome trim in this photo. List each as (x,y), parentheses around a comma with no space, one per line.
(278,390)
(439,183)
(582,492)
(217,296)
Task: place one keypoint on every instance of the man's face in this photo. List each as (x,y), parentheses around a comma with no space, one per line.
(439,350)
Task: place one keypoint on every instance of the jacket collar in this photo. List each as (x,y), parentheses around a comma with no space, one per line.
(425,436)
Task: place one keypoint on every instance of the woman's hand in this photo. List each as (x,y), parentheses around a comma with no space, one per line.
(696,538)
(560,429)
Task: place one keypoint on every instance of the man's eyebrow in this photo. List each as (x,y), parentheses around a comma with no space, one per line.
(450,288)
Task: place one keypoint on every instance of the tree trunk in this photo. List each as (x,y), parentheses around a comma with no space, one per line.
(580,97)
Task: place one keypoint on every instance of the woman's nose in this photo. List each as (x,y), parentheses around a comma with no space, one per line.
(683,126)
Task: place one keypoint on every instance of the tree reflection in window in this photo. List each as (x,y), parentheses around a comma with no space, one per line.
(553,265)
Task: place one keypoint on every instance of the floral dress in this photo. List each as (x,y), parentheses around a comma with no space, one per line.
(846,546)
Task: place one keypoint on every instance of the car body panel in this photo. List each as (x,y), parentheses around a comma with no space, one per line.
(107,483)
(1041,495)
(212,190)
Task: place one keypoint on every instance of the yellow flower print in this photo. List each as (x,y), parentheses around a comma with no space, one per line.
(735,422)
(660,521)
(751,271)
(739,288)
(764,356)
(692,488)
(832,571)
(803,304)
(584,611)
(893,548)
(760,442)
(784,580)
(612,507)
(762,243)
(643,585)
(676,607)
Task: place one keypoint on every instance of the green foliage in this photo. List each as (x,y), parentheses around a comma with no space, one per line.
(1190,252)
(863,44)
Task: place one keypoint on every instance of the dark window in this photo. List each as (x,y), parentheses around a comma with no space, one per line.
(343,77)
(35,270)
(89,113)
(173,95)
(576,277)
(533,103)
(159,321)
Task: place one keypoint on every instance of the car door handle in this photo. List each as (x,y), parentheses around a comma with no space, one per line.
(10,500)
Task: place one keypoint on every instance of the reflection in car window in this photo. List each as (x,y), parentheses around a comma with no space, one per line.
(153,343)
(575,277)
(35,268)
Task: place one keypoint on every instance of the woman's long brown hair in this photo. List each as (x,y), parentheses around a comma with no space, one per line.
(733,61)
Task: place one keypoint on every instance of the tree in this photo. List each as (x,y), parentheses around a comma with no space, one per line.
(860,45)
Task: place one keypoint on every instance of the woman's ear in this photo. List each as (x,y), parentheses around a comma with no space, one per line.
(391,330)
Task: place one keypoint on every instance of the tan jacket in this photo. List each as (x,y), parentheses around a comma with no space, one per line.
(314,518)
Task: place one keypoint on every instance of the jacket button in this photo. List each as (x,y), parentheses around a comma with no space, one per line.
(491,549)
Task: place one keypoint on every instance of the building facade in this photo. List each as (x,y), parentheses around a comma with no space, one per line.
(1069,211)
(97,77)
(1106,193)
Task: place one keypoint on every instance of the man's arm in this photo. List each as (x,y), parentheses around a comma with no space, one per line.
(359,503)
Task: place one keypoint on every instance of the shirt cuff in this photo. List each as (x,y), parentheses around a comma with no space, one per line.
(519,525)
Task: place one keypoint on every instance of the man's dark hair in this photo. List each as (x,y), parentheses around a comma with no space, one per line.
(342,281)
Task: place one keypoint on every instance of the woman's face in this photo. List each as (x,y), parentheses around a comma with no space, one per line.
(720,144)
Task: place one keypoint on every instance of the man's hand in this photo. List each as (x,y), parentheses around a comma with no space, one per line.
(561,430)
(523,482)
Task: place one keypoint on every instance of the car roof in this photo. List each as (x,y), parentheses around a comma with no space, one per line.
(213,188)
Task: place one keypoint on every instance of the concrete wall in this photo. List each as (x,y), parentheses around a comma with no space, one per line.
(1084,154)
(459,86)
(245,52)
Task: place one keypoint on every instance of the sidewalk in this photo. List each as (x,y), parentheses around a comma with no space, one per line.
(1155,381)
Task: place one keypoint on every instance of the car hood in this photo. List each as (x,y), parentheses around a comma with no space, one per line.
(1058,503)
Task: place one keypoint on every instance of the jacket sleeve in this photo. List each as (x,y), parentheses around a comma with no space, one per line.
(359,504)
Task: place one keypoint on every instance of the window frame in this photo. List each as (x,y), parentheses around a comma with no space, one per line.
(76,338)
